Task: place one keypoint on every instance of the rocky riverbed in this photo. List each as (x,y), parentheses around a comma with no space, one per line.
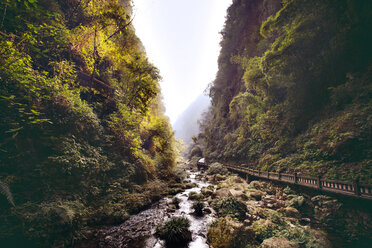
(138,231)
(244,214)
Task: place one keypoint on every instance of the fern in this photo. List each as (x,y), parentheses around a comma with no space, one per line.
(4,189)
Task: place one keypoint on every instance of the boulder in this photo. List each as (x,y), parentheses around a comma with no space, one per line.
(257,195)
(278,243)
(206,192)
(256,184)
(290,212)
(236,193)
(223,192)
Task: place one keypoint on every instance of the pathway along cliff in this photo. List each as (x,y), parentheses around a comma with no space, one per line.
(241,214)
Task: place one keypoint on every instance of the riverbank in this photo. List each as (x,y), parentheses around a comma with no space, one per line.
(138,231)
(269,215)
(241,214)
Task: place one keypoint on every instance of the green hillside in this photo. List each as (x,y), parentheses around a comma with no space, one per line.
(84,140)
(293,90)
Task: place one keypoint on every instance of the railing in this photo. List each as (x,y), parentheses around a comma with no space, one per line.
(345,188)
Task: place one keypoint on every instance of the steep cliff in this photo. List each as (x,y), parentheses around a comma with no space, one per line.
(83,138)
(293,90)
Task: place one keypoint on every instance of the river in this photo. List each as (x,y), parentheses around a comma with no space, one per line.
(138,231)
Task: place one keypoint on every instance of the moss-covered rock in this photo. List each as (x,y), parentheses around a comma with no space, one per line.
(230,206)
(195,196)
(264,229)
(217,168)
(278,243)
(226,232)
(290,212)
(257,194)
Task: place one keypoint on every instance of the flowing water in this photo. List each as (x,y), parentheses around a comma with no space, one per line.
(138,231)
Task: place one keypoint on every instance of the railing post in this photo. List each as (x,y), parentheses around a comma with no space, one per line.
(356,187)
(295,177)
(319,183)
(279,176)
(268,174)
(259,172)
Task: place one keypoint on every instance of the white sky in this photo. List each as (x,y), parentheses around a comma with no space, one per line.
(181,38)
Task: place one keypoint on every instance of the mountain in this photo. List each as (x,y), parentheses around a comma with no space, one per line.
(83,136)
(186,125)
(293,90)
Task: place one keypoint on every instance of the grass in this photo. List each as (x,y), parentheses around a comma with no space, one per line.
(175,231)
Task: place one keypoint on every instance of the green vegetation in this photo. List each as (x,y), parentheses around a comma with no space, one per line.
(217,168)
(249,223)
(228,233)
(175,231)
(83,138)
(198,207)
(293,90)
(230,206)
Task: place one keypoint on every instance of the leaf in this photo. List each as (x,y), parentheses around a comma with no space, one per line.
(14,130)
(4,189)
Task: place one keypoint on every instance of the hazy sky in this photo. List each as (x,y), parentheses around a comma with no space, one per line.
(181,38)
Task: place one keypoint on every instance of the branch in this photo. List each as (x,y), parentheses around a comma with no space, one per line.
(120,29)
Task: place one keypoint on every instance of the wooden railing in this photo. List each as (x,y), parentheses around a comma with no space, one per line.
(345,188)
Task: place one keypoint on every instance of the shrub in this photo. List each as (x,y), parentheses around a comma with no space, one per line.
(175,231)
(230,206)
(198,207)
(176,201)
(264,229)
(217,168)
(195,196)
(228,233)
(287,190)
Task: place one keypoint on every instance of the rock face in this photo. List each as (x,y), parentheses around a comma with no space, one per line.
(278,243)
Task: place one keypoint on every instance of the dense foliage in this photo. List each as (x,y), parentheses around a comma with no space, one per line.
(81,120)
(293,90)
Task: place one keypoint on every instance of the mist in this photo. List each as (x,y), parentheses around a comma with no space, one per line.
(186,124)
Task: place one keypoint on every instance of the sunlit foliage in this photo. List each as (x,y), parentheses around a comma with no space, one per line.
(293,88)
(81,118)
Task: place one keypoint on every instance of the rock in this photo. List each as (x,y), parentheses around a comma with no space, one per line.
(195,196)
(278,243)
(227,232)
(190,185)
(327,211)
(236,193)
(223,192)
(256,194)
(295,201)
(219,177)
(108,239)
(238,180)
(210,187)
(290,212)
(304,221)
(171,210)
(207,210)
(247,222)
(256,184)
(271,202)
(206,192)
(322,240)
